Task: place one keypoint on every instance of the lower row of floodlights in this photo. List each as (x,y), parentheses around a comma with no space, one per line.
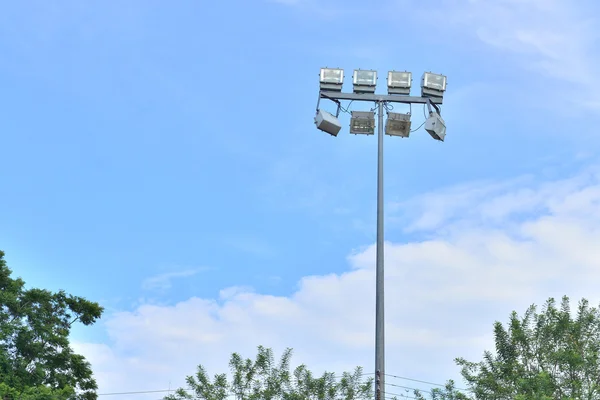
(398,83)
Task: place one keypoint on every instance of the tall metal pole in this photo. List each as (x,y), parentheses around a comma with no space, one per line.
(379,286)
(381,101)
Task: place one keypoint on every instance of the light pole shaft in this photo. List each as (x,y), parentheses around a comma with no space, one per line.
(380,100)
(379,277)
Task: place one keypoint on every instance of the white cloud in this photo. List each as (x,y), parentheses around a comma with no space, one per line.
(488,203)
(250,244)
(164,281)
(554,37)
(492,248)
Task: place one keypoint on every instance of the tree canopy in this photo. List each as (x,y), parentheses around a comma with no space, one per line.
(548,355)
(36,360)
(265,379)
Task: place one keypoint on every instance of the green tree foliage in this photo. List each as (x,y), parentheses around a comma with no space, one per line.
(265,379)
(36,360)
(448,393)
(36,393)
(550,355)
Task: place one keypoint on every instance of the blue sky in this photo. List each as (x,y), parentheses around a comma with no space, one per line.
(154,152)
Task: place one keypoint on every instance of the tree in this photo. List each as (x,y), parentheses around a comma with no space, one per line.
(264,379)
(36,360)
(540,356)
(448,393)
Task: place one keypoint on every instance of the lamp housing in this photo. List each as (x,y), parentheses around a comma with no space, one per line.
(331,79)
(398,124)
(399,82)
(436,126)
(364,81)
(328,123)
(433,85)
(362,122)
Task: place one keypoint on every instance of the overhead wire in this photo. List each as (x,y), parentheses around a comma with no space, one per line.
(140,392)
(395,396)
(425,382)
(190,389)
(388,395)
(408,387)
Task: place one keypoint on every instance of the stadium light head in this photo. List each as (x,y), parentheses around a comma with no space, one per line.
(327,122)
(398,125)
(436,126)
(364,81)
(362,122)
(433,85)
(331,79)
(399,82)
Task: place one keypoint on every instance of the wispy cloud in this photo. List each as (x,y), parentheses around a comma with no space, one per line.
(556,33)
(250,244)
(164,281)
(457,283)
(489,203)
(556,38)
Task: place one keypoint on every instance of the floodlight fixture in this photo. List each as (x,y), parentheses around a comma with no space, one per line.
(328,123)
(433,85)
(436,126)
(398,124)
(332,79)
(362,122)
(364,81)
(399,82)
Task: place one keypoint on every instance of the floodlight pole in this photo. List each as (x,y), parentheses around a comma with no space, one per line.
(379,281)
(380,100)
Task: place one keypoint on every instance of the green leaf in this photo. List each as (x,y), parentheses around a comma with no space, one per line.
(551,354)
(36,360)
(262,378)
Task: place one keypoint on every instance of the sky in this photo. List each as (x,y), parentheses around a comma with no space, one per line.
(161,158)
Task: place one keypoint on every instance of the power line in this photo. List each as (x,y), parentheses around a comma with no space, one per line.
(188,389)
(336,377)
(408,387)
(395,396)
(139,392)
(425,382)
